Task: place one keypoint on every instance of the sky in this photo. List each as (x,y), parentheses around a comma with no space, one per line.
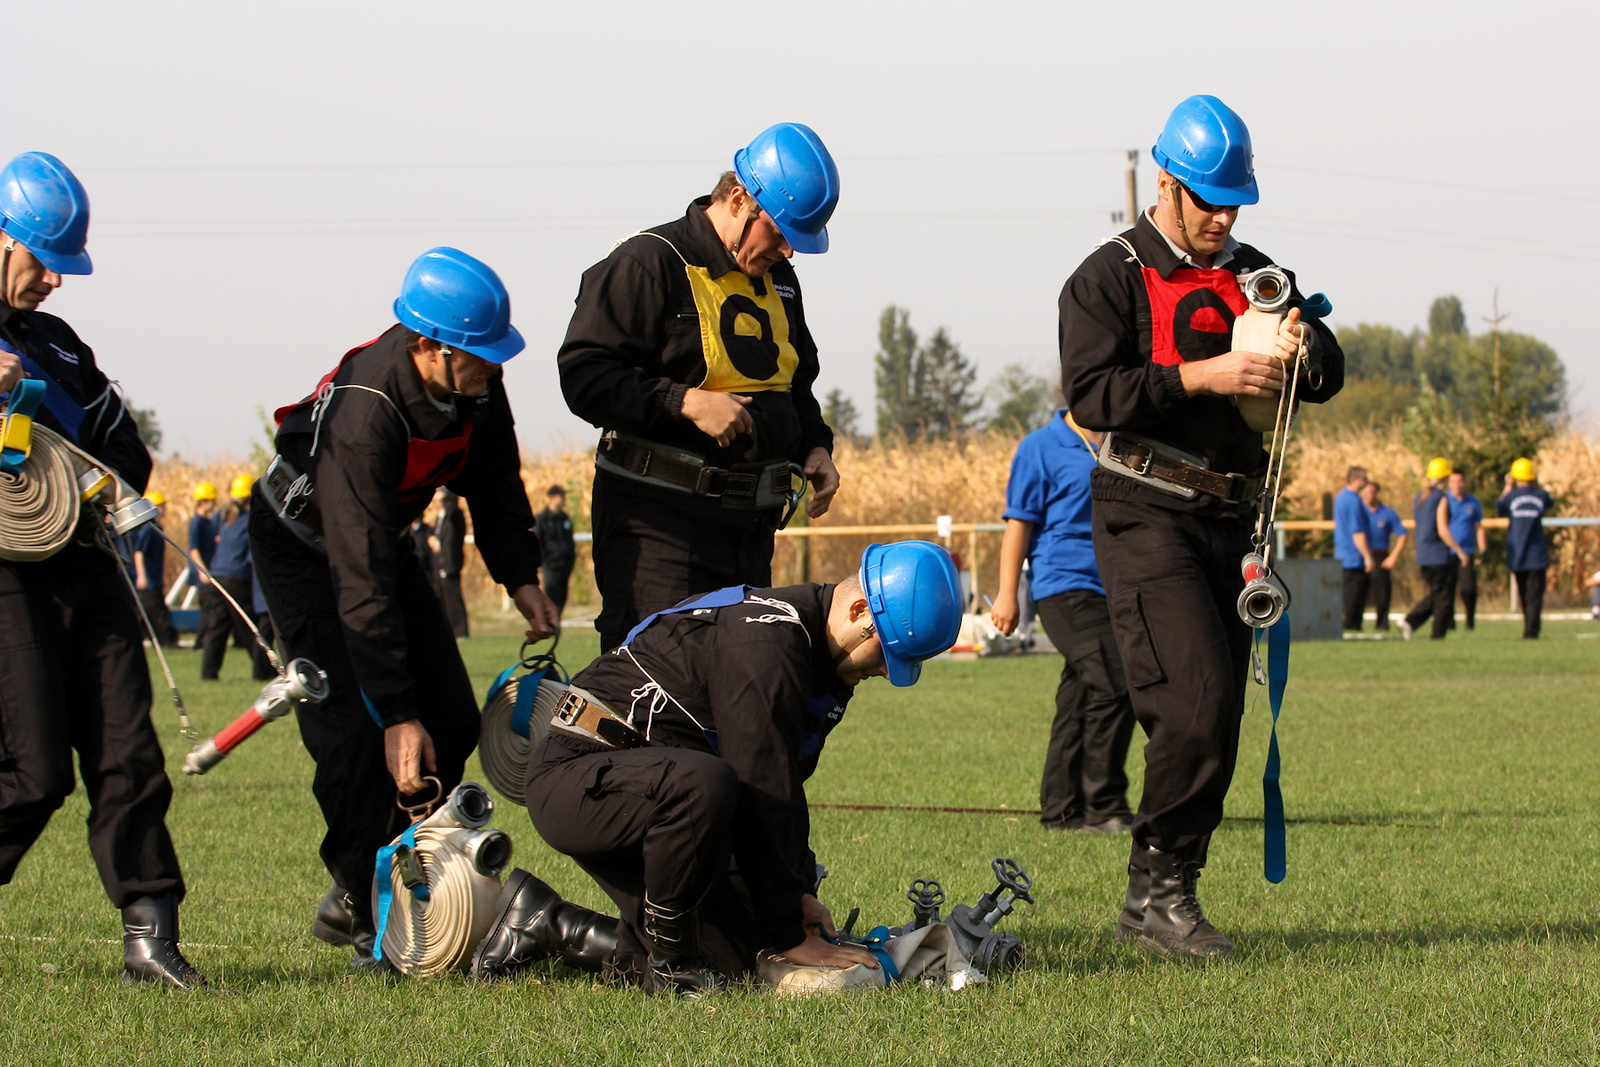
(262,175)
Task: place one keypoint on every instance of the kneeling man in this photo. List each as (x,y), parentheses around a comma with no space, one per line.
(690,744)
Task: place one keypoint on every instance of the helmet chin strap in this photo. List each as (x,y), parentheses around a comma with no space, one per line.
(750,220)
(446,352)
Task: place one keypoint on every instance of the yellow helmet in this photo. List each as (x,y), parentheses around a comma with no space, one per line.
(205,491)
(240,489)
(156,497)
(1439,467)
(1522,469)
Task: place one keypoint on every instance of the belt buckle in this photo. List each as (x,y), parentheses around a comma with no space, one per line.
(702,482)
(570,708)
(1144,467)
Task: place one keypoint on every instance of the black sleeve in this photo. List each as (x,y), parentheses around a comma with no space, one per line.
(814,430)
(108,433)
(360,462)
(1110,384)
(491,483)
(758,693)
(611,374)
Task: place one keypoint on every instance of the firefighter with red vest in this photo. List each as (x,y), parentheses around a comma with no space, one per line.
(358,460)
(1147,359)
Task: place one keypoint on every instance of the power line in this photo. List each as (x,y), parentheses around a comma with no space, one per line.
(1434,183)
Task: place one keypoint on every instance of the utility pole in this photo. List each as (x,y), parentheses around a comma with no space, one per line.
(1494,328)
(1133,186)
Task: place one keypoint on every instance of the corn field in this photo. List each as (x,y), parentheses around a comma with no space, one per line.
(893,480)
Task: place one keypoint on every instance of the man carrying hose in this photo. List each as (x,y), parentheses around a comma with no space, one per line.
(689,348)
(358,461)
(72,667)
(1146,357)
(691,743)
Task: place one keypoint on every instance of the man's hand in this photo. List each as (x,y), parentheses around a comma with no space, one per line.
(815,952)
(719,415)
(824,479)
(1291,332)
(815,914)
(10,371)
(1388,563)
(1005,613)
(406,747)
(544,618)
(1461,554)
(1367,564)
(1233,374)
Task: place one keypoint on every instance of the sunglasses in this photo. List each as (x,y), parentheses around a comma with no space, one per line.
(1209,209)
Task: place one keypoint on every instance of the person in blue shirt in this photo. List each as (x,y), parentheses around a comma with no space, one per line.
(149,564)
(230,566)
(202,546)
(1047,520)
(1439,556)
(1524,502)
(1352,535)
(1466,526)
(1387,539)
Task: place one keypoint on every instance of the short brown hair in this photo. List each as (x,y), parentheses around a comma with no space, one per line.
(1353,473)
(725,187)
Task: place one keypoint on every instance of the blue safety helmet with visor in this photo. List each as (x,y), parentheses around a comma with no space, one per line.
(44,208)
(914,594)
(1206,147)
(788,170)
(458,301)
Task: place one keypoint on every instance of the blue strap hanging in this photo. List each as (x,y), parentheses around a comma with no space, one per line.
(722,598)
(16,428)
(384,876)
(876,938)
(1274,843)
(522,712)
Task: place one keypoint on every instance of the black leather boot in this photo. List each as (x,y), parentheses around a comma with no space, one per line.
(676,965)
(1174,925)
(1131,922)
(536,924)
(150,945)
(338,920)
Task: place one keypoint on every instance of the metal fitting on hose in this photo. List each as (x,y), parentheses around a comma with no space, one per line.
(1267,289)
(1264,598)
(303,682)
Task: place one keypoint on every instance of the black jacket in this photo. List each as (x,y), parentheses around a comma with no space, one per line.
(108,432)
(1112,383)
(357,471)
(635,345)
(759,676)
(555,537)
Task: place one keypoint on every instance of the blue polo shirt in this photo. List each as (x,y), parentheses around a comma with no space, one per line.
(232,559)
(1386,528)
(1431,549)
(1466,515)
(1350,517)
(1525,507)
(1049,487)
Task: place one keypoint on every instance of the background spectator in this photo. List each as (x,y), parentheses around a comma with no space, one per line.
(1388,538)
(554,527)
(1439,557)
(1352,535)
(449,544)
(1524,502)
(149,547)
(1466,526)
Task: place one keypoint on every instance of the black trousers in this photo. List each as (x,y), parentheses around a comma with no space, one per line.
(1357,583)
(223,622)
(1467,586)
(650,820)
(1172,581)
(155,606)
(352,782)
(1084,775)
(1439,602)
(1382,595)
(555,576)
(73,677)
(1530,591)
(649,553)
(447,585)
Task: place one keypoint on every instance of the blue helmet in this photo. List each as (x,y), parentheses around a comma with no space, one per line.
(1206,147)
(458,301)
(44,207)
(915,598)
(788,170)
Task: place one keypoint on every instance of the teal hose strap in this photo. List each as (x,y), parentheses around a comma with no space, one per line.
(386,885)
(876,938)
(1274,842)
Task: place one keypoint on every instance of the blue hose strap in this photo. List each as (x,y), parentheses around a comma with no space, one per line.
(1316,306)
(876,938)
(500,682)
(527,689)
(384,876)
(1274,849)
(16,428)
(371,710)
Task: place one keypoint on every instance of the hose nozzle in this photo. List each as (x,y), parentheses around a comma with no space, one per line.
(1267,289)
(1264,598)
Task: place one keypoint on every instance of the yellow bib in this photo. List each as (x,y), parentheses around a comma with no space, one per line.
(746,337)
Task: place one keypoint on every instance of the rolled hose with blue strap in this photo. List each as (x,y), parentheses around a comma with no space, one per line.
(516,716)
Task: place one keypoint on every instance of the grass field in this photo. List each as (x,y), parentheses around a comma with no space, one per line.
(1440,906)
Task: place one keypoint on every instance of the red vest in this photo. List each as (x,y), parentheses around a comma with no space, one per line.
(429,464)
(1191,313)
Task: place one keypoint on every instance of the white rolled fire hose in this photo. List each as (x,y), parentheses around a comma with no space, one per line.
(438,885)
(510,731)
(39,503)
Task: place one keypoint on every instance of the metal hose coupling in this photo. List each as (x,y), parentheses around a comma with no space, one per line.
(1264,598)
(1267,289)
(468,807)
(302,683)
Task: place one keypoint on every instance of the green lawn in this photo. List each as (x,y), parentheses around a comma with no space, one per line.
(1440,905)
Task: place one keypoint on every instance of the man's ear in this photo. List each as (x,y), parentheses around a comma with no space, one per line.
(858,608)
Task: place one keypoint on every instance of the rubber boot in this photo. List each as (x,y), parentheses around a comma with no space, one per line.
(150,945)
(1131,922)
(676,964)
(536,924)
(338,920)
(1174,925)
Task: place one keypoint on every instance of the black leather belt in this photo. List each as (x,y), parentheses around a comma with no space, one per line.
(583,718)
(1172,470)
(755,487)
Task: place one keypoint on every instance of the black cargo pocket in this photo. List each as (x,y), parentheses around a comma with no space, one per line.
(593,781)
(1139,659)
